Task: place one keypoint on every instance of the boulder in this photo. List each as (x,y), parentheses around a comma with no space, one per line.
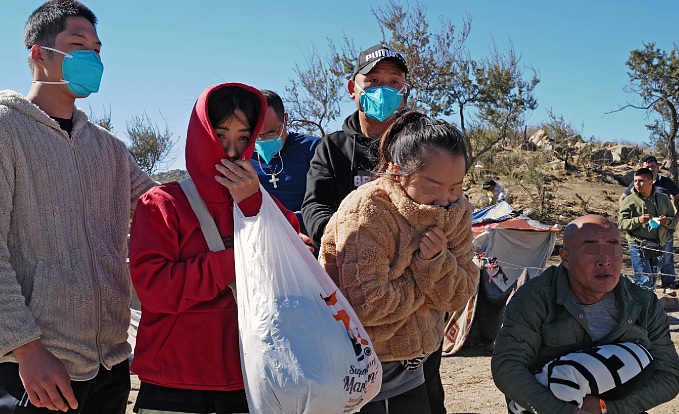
(581,145)
(564,150)
(541,140)
(626,178)
(558,165)
(625,153)
(574,139)
(607,177)
(539,136)
(602,155)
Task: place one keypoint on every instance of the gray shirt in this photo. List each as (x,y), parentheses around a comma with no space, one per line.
(602,316)
(396,379)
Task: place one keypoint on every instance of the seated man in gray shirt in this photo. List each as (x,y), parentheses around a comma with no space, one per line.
(582,309)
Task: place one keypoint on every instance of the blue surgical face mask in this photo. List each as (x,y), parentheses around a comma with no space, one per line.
(380,102)
(81,71)
(267,148)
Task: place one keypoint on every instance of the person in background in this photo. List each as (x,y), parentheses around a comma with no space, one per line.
(187,355)
(400,250)
(582,304)
(663,185)
(67,189)
(646,215)
(495,192)
(282,158)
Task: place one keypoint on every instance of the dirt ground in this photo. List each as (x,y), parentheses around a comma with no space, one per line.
(469,385)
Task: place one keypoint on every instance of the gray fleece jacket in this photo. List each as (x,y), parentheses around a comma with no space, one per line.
(65,204)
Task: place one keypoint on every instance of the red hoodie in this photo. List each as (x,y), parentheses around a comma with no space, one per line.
(188,334)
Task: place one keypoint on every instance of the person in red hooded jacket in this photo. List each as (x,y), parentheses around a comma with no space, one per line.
(187,354)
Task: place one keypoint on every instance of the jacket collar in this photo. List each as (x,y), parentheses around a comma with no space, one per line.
(630,309)
(634,191)
(20,103)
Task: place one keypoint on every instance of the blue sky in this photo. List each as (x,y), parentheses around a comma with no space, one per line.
(160,55)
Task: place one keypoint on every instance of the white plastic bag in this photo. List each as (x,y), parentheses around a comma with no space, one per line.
(303,350)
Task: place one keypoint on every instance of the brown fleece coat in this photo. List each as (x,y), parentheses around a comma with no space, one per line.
(370,250)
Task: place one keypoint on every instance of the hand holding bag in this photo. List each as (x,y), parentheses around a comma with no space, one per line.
(303,349)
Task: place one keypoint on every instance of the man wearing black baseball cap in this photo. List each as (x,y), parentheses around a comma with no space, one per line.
(342,162)
(344,159)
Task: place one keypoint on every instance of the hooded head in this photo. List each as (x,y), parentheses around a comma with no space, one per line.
(204,148)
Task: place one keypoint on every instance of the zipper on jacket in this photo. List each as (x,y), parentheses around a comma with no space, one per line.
(97,288)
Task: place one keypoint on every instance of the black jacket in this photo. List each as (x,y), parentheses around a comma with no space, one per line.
(342,162)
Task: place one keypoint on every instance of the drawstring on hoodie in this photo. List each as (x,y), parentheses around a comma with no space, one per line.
(353,152)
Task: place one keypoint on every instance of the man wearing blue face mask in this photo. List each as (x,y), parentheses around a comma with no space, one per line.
(66,195)
(344,159)
(282,157)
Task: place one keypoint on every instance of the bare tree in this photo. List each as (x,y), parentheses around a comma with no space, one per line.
(104,120)
(149,145)
(431,55)
(312,101)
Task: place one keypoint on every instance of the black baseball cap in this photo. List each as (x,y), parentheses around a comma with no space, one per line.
(369,58)
(488,184)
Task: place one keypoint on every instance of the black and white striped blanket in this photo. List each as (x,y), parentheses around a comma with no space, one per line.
(609,372)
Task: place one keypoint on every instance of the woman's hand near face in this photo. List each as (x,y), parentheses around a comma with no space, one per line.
(239,177)
(433,241)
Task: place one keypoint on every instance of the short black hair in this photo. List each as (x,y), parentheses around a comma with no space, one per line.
(649,159)
(413,137)
(275,102)
(48,20)
(223,103)
(644,172)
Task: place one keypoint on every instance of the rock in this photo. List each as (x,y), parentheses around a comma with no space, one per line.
(541,140)
(627,178)
(558,165)
(564,150)
(602,155)
(669,303)
(574,139)
(608,144)
(624,153)
(539,136)
(608,177)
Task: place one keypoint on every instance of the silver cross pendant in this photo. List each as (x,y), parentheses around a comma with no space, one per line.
(274,180)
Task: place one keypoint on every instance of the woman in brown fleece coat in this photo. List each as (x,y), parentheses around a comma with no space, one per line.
(400,250)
